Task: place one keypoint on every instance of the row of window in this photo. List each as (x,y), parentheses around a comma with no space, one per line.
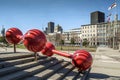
(87,31)
(85,35)
(90,35)
(90,31)
(101,34)
(87,27)
(98,39)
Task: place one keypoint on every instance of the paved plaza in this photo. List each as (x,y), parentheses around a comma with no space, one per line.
(106,63)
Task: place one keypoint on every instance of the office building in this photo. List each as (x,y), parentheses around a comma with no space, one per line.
(58,29)
(97,17)
(50,28)
(106,33)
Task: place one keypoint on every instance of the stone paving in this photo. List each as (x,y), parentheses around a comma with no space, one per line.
(106,63)
(22,66)
(7,50)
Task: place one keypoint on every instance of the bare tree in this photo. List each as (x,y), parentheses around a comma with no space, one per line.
(74,38)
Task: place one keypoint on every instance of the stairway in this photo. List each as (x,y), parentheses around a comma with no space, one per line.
(22,66)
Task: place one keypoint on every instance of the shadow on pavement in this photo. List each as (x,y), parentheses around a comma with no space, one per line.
(23,67)
(102,76)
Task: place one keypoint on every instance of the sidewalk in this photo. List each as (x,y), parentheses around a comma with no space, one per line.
(108,53)
(5,50)
(106,64)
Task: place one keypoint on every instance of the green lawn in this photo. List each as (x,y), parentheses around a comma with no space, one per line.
(74,48)
(65,48)
(20,46)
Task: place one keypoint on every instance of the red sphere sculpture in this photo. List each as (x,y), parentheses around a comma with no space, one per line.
(13,35)
(48,49)
(81,58)
(34,40)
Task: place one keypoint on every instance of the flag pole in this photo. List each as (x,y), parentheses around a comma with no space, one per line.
(116,7)
(115,28)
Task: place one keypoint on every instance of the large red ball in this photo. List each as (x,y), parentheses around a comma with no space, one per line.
(34,40)
(48,49)
(13,35)
(82,60)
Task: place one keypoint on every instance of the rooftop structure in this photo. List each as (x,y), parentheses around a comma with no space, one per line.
(97,17)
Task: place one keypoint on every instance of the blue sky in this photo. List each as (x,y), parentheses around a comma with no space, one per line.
(29,14)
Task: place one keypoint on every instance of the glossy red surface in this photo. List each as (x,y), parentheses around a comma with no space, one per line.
(34,40)
(82,59)
(13,35)
(48,49)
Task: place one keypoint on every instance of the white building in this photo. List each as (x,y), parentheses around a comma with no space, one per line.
(104,33)
(89,32)
(58,29)
(73,33)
